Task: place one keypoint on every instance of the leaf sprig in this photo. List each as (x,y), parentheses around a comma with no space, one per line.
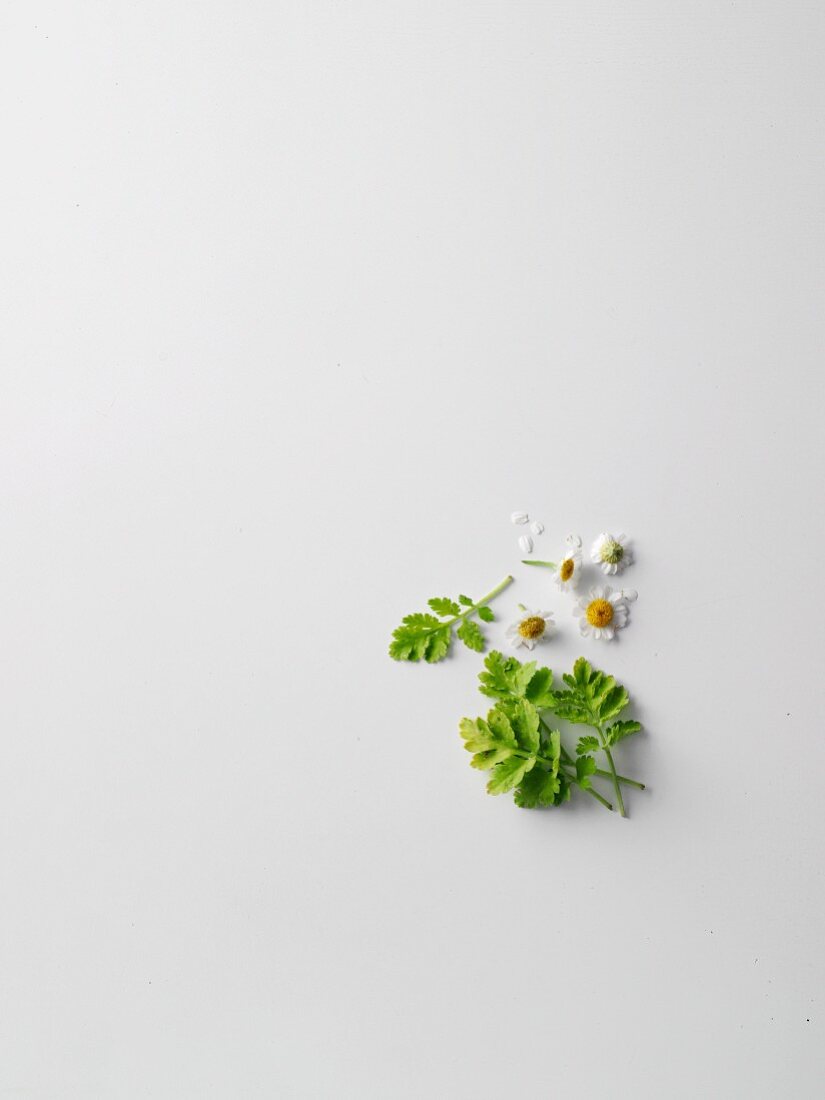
(427,636)
(521,750)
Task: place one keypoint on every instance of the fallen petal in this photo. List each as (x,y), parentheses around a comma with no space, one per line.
(525,544)
(519,517)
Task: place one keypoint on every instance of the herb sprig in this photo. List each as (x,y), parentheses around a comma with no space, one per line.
(517,744)
(424,635)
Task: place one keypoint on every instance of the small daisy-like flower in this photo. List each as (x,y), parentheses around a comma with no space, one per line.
(530,628)
(567,573)
(603,612)
(612,553)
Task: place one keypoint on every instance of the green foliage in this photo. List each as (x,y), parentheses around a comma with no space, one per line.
(592,697)
(441,605)
(523,753)
(619,730)
(507,678)
(470,634)
(428,637)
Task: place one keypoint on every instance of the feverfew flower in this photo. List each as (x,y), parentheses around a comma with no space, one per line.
(530,628)
(604,611)
(612,553)
(567,572)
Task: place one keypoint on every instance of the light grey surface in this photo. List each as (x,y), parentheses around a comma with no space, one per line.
(300,302)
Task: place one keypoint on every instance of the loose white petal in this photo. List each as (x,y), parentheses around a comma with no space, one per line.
(536,527)
(630,594)
(574,540)
(519,517)
(525,544)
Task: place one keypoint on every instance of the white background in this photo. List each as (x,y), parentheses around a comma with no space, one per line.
(300,301)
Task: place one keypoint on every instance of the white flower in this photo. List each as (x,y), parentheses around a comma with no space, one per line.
(525,544)
(568,570)
(603,612)
(612,553)
(530,628)
(537,527)
(519,517)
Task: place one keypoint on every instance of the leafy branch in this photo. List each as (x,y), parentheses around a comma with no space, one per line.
(429,636)
(524,753)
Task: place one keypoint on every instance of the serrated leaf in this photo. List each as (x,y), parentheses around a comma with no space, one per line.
(538,691)
(420,635)
(500,727)
(509,774)
(438,645)
(537,788)
(470,634)
(619,730)
(442,605)
(488,759)
(585,767)
(582,671)
(465,600)
(587,744)
(505,678)
(613,703)
(525,725)
(485,614)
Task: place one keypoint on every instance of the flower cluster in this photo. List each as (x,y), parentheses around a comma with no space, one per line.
(602,611)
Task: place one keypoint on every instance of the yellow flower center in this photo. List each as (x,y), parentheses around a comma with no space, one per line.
(531,628)
(567,567)
(600,613)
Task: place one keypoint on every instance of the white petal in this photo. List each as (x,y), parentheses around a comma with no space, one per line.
(519,517)
(536,527)
(529,642)
(608,632)
(584,627)
(574,540)
(525,544)
(597,632)
(630,594)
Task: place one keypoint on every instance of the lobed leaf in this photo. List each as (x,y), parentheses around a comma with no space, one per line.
(470,634)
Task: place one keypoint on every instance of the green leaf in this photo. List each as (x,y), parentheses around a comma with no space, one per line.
(420,635)
(509,773)
(613,703)
(465,600)
(505,678)
(592,697)
(441,605)
(500,727)
(525,725)
(619,730)
(485,614)
(538,691)
(585,766)
(538,788)
(470,634)
(587,744)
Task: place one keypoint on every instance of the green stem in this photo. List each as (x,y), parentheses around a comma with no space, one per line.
(549,564)
(596,795)
(567,759)
(484,599)
(621,778)
(616,787)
